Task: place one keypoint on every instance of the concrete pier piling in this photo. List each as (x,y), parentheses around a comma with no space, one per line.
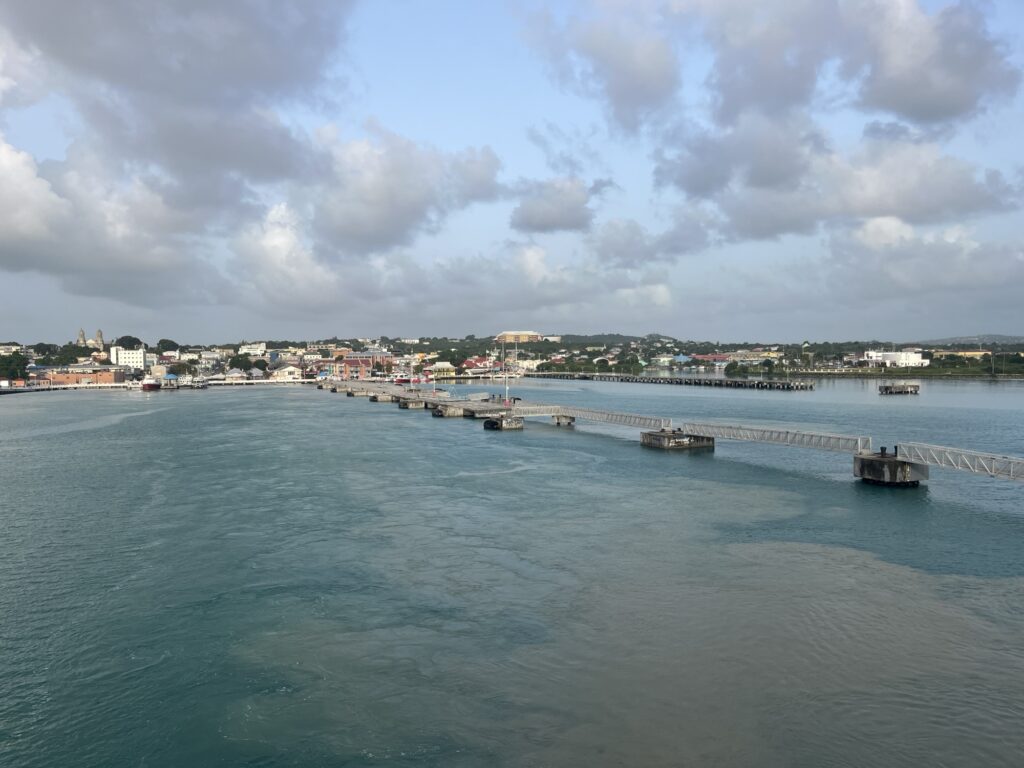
(563,421)
(676,440)
(888,469)
(504,423)
(448,411)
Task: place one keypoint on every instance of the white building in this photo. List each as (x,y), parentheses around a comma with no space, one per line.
(129,358)
(529,365)
(254,350)
(287,373)
(905,358)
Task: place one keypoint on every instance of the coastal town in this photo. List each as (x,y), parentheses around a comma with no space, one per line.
(127,361)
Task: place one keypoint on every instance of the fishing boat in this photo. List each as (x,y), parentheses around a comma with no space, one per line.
(149,384)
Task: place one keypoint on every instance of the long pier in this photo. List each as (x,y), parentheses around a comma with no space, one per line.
(906,466)
(134,385)
(778,385)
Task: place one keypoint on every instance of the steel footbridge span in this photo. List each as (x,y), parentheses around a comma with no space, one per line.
(635,420)
(993,465)
(821,440)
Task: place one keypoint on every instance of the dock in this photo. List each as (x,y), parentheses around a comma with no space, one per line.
(774,385)
(903,467)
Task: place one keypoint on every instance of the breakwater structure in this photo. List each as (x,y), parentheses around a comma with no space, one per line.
(905,466)
(899,389)
(776,385)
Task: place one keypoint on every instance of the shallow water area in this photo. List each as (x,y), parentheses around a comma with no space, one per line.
(282,576)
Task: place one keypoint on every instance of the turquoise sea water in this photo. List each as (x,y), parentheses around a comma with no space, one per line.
(289,577)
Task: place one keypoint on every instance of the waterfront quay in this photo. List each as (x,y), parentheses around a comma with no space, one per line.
(905,466)
(135,386)
(778,385)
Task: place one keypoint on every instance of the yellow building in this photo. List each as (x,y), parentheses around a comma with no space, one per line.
(971,354)
(517,337)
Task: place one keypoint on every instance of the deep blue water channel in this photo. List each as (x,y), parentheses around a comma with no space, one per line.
(288,577)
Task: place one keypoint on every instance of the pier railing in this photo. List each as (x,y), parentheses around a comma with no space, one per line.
(820,440)
(607,417)
(993,465)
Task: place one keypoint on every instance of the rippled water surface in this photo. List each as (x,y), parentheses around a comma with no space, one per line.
(289,577)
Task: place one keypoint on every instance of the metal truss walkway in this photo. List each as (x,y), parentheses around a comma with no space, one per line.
(820,440)
(607,417)
(1006,467)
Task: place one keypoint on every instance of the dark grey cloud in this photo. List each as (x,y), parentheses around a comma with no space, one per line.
(181,132)
(553,206)
(189,51)
(915,182)
(96,235)
(776,56)
(772,177)
(627,244)
(927,68)
(767,56)
(631,67)
(384,190)
(886,260)
(188,92)
(756,151)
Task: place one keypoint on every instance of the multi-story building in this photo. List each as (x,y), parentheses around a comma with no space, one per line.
(105,375)
(906,358)
(517,337)
(128,358)
(254,350)
(361,365)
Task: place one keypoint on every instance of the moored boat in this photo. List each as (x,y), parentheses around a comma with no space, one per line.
(149,384)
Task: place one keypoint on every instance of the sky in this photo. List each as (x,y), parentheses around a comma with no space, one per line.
(769,170)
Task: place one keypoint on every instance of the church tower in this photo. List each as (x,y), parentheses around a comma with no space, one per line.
(81,337)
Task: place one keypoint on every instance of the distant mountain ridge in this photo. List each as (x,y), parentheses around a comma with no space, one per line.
(979,339)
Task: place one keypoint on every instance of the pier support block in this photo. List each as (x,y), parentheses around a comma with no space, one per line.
(564,421)
(447,411)
(381,397)
(406,403)
(676,440)
(888,469)
(503,423)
